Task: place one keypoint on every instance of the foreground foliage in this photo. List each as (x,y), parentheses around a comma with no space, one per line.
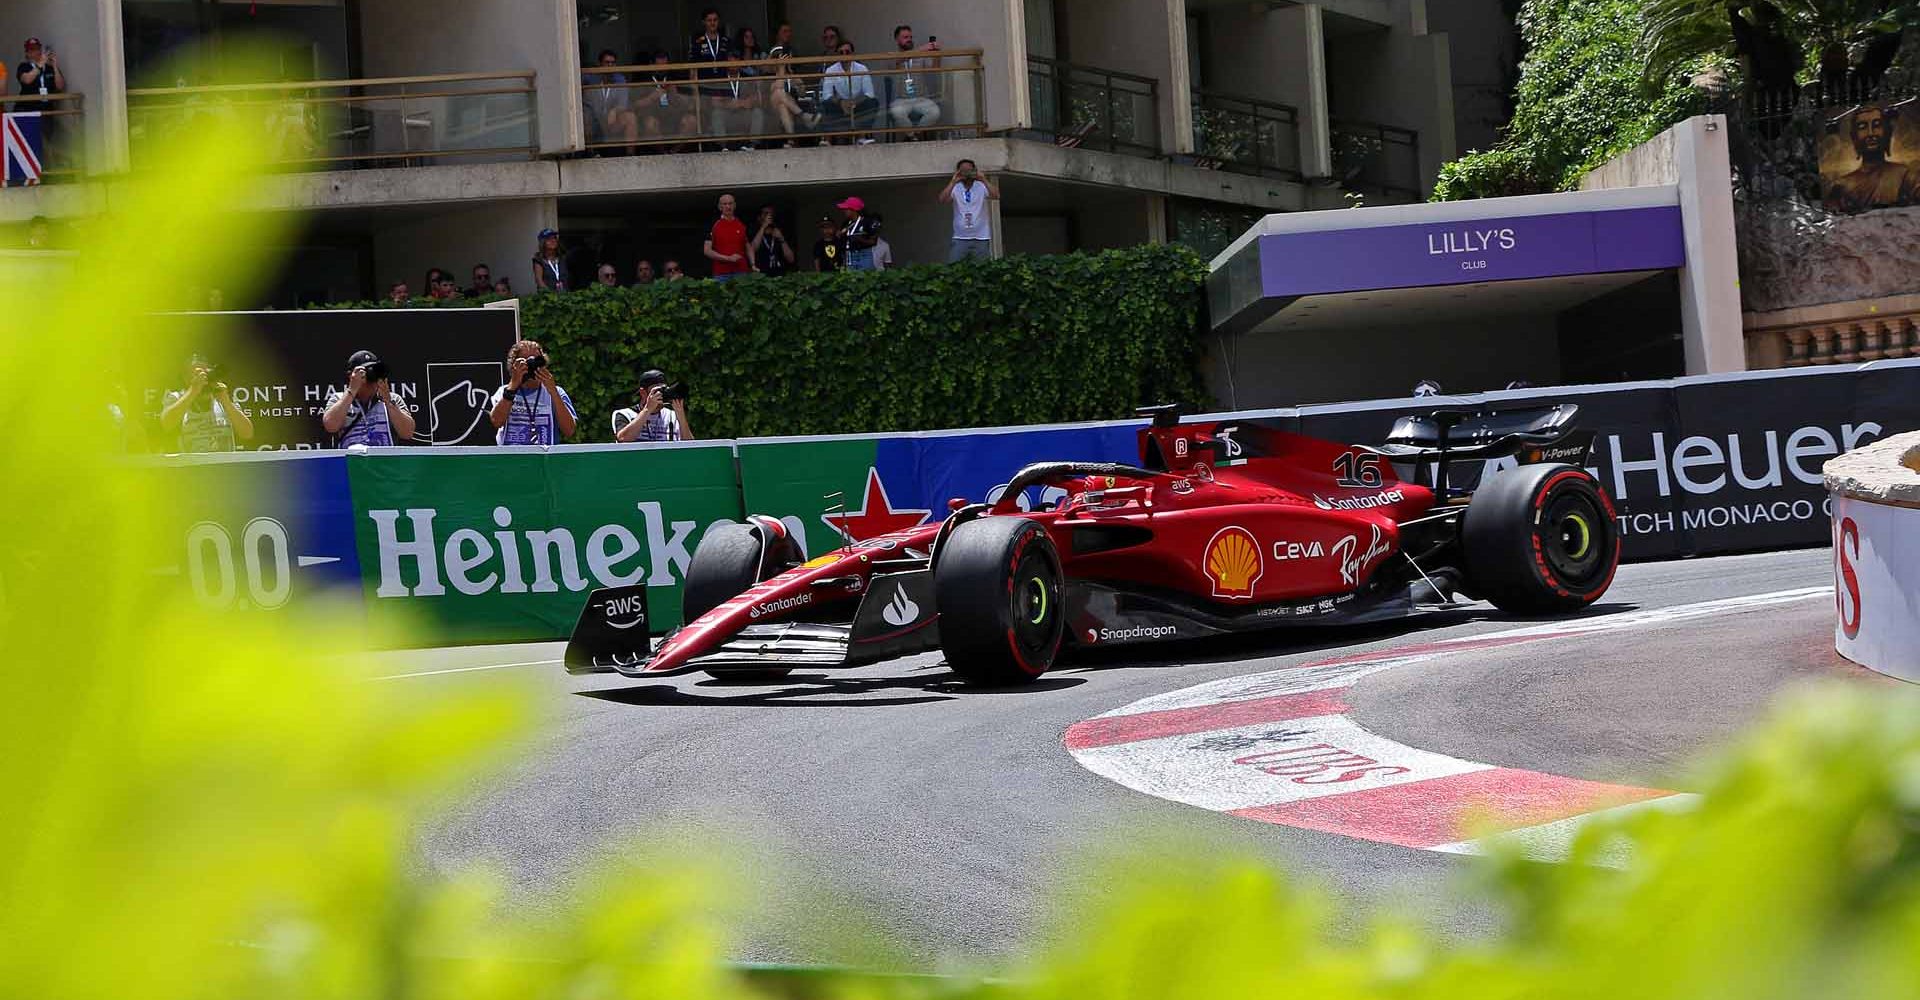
(202,807)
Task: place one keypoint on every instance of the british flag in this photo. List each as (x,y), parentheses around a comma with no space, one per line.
(23,148)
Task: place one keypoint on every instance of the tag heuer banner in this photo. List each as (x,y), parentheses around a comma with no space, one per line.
(492,544)
(283,367)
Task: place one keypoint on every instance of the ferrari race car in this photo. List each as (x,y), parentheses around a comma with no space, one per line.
(1224,527)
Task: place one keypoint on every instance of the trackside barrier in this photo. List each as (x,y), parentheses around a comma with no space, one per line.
(1876,555)
(501,544)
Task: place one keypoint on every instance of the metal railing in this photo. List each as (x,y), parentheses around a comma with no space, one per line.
(759,102)
(1094,108)
(329,124)
(1245,133)
(1370,157)
(62,131)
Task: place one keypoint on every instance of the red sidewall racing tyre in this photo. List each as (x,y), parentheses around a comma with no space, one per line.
(1002,601)
(1541,539)
(727,563)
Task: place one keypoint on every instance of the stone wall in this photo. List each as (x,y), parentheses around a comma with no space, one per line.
(1793,255)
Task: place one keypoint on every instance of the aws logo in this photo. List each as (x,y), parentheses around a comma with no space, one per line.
(1233,562)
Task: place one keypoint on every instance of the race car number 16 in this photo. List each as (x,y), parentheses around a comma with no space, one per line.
(1357,470)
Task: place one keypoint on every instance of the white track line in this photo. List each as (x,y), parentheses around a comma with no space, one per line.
(463,670)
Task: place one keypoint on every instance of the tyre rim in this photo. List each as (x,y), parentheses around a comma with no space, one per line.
(1033,622)
(1570,537)
(1036,600)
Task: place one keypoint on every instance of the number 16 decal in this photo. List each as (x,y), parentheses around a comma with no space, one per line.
(1357,470)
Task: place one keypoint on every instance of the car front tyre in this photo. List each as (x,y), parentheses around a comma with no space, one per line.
(999,589)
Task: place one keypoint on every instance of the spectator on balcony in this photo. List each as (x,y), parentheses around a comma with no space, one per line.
(969,191)
(610,116)
(882,253)
(772,254)
(39,231)
(671,268)
(858,236)
(666,108)
(830,40)
(606,277)
(398,294)
(442,288)
(643,273)
(849,95)
(482,282)
(726,244)
(826,249)
(785,95)
(503,287)
(550,264)
(719,87)
(912,93)
(750,101)
(40,73)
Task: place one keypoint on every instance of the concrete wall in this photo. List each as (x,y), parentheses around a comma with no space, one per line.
(428,37)
(1143,37)
(977,24)
(85,34)
(1399,78)
(1274,54)
(1485,46)
(1299,366)
(499,234)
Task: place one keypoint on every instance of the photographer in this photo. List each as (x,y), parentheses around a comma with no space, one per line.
(662,415)
(353,417)
(204,414)
(531,408)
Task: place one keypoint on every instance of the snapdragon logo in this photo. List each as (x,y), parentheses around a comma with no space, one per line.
(1137,633)
(534,561)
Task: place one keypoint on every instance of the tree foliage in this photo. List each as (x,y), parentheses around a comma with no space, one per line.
(1579,103)
(1775,38)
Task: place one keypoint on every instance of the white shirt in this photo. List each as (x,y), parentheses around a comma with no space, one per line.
(203,430)
(970,219)
(366,423)
(848,81)
(531,420)
(664,425)
(882,253)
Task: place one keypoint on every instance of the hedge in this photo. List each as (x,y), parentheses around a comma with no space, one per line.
(1022,340)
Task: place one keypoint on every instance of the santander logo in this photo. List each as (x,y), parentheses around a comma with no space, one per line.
(900,611)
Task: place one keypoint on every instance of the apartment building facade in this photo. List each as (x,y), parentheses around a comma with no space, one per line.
(420,133)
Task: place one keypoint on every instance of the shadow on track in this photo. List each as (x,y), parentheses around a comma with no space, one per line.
(822,690)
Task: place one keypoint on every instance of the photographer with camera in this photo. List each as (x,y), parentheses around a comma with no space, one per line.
(204,414)
(354,417)
(531,408)
(662,413)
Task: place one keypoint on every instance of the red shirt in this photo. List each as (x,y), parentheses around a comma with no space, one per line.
(729,236)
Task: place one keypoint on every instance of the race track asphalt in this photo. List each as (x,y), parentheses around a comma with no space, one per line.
(952,823)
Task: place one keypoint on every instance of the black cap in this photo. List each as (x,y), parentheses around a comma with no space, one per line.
(652,377)
(360,358)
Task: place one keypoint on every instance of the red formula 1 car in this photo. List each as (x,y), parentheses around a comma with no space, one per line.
(1225,527)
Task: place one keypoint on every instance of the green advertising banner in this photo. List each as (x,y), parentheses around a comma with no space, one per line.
(503,544)
(791,479)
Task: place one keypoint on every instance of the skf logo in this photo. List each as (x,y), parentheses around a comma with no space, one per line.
(1233,562)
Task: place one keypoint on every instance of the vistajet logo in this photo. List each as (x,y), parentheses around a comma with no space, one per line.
(474,563)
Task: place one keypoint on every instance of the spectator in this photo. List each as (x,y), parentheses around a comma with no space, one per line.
(40,73)
(531,408)
(858,236)
(784,93)
(204,415)
(726,244)
(667,108)
(719,90)
(39,231)
(366,413)
(398,294)
(607,277)
(444,290)
(610,116)
(432,284)
(671,268)
(969,191)
(658,418)
(772,254)
(826,249)
(848,94)
(503,287)
(643,273)
(830,40)
(749,94)
(882,253)
(911,92)
(550,264)
(482,282)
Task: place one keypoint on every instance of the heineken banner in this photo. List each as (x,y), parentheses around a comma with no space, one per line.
(500,544)
(283,367)
(873,485)
(260,533)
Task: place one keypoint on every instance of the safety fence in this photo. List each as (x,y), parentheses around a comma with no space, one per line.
(497,544)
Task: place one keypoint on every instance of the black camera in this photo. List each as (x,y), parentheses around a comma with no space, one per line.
(376,370)
(534,364)
(673,392)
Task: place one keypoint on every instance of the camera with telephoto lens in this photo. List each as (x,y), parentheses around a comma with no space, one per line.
(673,392)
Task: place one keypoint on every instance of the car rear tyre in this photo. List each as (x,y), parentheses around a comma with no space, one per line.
(1541,539)
(727,563)
(1002,613)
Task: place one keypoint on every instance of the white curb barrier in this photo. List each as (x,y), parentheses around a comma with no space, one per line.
(1876,555)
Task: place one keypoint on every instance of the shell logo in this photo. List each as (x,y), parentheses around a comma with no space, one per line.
(1233,562)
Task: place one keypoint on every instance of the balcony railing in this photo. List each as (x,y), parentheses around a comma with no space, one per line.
(767,102)
(1369,157)
(1094,108)
(333,124)
(63,138)
(1246,134)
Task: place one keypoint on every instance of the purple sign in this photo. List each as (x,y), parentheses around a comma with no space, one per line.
(1453,253)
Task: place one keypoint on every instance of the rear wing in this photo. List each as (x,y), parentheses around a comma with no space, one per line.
(1531,434)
